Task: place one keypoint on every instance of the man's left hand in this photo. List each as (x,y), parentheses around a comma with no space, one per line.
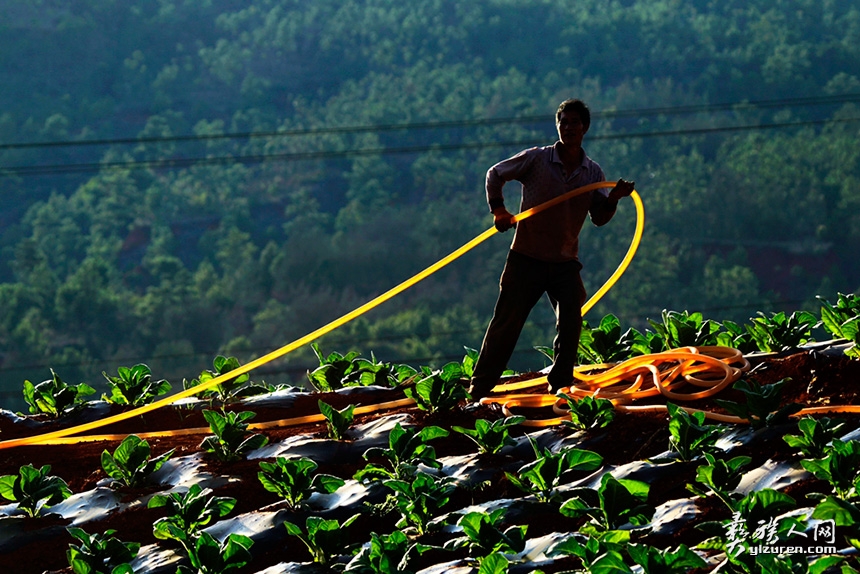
(622,188)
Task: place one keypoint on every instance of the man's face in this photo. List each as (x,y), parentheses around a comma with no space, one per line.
(570,128)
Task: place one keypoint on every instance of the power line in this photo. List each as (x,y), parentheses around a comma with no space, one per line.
(173,163)
(673,110)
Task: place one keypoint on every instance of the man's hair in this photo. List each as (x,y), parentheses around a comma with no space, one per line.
(577,106)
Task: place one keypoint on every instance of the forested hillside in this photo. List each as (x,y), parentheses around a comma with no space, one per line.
(182,179)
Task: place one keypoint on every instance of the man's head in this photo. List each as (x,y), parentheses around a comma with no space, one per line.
(577,106)
(572,120)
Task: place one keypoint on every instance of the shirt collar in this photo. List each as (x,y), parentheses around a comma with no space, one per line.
(557,159)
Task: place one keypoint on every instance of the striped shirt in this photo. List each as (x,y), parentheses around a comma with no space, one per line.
(552,235)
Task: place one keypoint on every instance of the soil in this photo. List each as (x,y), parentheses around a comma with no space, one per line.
(810,379)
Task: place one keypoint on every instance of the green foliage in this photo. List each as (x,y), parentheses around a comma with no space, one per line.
(689,436)
(337,421)
(100,553)
(134,386)
(440,391)
(684,329)
(844,513)
(738,337)
(781,332)
(541,477)
(815,435)
(54,397)
(227,391)
(722,477)
(656,561)
(325,538)
(599,555)
(495,563)
(208,556)
(604,343)
(130,463)
(386,554)
(840,467)
(842,320)
(231,440)
(336,371)
(615,503)
(761,406)
(407,449)
(491,437)
(188,513)
(33,489)
(420,500)
(295,480)
(482,535)
(589,412)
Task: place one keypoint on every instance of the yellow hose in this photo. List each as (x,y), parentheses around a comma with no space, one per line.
(310,337)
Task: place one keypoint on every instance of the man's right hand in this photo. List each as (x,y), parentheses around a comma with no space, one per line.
(502,219)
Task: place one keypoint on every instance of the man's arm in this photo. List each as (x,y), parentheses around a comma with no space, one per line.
(501,173)
(603,211)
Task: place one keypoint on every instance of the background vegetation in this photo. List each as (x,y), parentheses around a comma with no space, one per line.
(181,179)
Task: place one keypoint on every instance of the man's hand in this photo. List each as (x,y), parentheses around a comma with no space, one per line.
(622,189)
(502,219)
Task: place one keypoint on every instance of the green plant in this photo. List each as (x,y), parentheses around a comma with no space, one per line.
(386,554)
(843,320)
(815,436)
(130,463)
(589,412)
(33,489)
(656,561)
(54,397)
(615,503)
(737,337)
(781,332)
(134,386)
(188,513)
(840,467)
(230,441)
(598,555)
(844,513)
(100,553)
(229,390)
(407,448)
(491,437)
(683,329)
(493,564)
(208,556)
(604,343)
(721,477)
(439,391)
(420,499)
(541,477)
(295,480)
(761,406)
(688,434)
(337,421)
(482,535)
(325,538)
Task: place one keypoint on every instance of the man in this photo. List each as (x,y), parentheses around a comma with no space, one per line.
(544,253)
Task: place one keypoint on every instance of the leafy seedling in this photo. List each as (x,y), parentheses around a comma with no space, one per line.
(491,437)
(420,499)
(134,386)
(781,332)
(325,538)
(598,554)
(815,435)
(337,421)
(721,477)
(482,535)
(100,553)
(130,464)
(761,406)
(33,489)
(656,561)
(229,390)
(604,343)
(683,329)
(615,503)
(441,391)
(689,436)
(541,477)
(840,467)
(387,554)
(231,441)
(843,320)
(54,397)
(407,449)
(208,556)
(295,480)
(188,513)
(589,412)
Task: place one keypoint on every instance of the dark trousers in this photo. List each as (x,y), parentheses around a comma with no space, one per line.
(524,280)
